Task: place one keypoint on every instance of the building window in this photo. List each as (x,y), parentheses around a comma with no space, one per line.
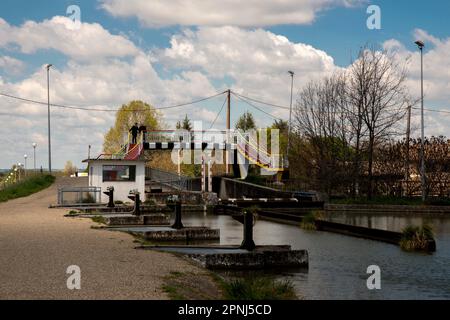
(119,173)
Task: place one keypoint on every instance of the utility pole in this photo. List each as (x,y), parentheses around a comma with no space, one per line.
(227,153)
(228,109)
(290,120)
(48,113)
(421,45)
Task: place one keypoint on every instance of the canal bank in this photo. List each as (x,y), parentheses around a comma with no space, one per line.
(399,210)
(338,263)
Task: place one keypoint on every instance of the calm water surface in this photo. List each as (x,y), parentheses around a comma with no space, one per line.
(338,263)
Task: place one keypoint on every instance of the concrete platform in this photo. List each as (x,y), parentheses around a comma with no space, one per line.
(232,257)
(128,219)
(162,233)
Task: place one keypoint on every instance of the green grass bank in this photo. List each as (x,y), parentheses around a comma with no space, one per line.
(26,187)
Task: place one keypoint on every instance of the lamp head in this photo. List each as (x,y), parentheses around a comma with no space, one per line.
(291,73)
(34,144)
(420,44)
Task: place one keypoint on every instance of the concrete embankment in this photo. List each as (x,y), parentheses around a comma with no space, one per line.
(437,211)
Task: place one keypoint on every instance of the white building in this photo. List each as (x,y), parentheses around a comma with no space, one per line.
(123,175)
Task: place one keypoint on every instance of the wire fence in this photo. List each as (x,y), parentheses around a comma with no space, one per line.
(73,196)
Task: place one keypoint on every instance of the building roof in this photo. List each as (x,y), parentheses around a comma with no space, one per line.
(111,160)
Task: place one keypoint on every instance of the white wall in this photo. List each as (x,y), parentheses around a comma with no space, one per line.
(121,188)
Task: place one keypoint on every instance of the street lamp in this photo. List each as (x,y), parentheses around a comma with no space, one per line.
(25,170)
(421,45)
(290,119)
(34,155)
(48,100)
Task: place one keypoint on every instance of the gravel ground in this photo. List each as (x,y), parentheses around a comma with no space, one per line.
(37,244)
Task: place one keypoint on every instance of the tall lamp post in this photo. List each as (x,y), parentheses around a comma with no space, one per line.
(48,113)
(421,45)
(19,166)
(34,155)
(25,167)
(290,120)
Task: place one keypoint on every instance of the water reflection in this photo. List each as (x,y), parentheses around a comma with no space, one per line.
(338,263)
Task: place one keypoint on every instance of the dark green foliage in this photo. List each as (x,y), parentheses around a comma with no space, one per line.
(416,238)
(263,288)
(26,187)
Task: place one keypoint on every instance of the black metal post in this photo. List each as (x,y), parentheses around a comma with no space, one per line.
(248,243)
(137,204)
(178,224)
(110,194)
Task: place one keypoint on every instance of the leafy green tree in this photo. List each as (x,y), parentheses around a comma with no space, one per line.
(246,122)
(134,112)
(185,125)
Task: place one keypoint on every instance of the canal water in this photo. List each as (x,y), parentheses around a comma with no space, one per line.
(338,263)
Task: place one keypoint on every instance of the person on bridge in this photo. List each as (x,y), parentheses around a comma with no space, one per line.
(143,130)
(134,132)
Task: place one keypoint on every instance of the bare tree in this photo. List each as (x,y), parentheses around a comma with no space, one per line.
(321,123)
(376,89)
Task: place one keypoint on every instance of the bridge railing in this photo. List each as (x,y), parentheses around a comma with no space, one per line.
(186,136)
(169,179)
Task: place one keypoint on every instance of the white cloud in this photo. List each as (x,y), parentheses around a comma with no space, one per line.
(256,61)
(89,42)
(104,84)
(11,65)
(249,13)
(436,78)
(436,67)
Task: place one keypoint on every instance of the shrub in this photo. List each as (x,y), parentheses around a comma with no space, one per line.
(263,288)
(416,238)
(309,220)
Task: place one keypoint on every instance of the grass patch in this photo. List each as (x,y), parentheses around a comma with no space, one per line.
(26,187)
(263,288)
(191,286)
(309,221)
(416,238)
(99,219)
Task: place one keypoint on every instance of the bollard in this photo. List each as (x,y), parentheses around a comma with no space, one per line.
(248,243)
(178,224)
(137,203)
(110,194)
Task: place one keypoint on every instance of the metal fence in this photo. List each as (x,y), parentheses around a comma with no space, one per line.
(70,196)
(169,179)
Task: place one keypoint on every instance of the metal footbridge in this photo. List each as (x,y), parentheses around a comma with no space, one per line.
(241,148)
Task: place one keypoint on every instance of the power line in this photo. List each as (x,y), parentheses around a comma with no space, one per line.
(218,114)
(252,105)
(107,110)
(260,101)
(433,110)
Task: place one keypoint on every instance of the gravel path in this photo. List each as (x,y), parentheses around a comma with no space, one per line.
(37,244)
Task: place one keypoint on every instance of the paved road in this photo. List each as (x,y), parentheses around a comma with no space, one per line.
(37,244)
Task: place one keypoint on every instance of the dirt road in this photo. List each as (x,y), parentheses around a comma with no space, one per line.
(37,244)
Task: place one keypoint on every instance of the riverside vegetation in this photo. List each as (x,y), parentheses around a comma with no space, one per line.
(26,187)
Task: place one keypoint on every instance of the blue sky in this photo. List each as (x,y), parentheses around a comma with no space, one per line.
(183,63)
(338,31)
